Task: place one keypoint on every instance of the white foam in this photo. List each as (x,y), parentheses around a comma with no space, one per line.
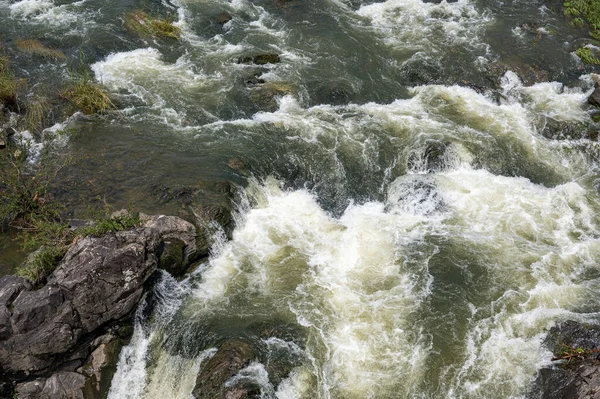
(416,25)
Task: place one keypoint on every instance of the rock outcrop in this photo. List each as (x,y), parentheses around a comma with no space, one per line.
(578,378)
(59,341)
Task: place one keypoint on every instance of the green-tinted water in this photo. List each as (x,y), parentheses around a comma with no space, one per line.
(408,223)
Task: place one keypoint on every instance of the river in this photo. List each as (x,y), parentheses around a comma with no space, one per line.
(413,211)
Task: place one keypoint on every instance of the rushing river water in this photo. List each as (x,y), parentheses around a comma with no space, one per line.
(413,217)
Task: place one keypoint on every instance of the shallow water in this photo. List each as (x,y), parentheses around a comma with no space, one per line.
(418,203)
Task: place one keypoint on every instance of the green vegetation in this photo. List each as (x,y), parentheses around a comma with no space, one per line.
(40,264)
(8,82)
(585,9)
(587,56)
(35,47)
(27,206)
(106,224)
(37,110)
(53,238)
(88,96)
(571,355)
(24,193)
(145,25)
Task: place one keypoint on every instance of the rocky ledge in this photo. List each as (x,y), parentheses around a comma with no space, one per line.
(63,340)
(576,374)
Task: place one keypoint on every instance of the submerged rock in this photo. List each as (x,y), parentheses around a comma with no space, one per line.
(573,378)
(528,73)
(223,18)
(261,59)
(233,355)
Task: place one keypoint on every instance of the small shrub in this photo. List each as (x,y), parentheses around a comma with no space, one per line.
(35,47)
(143,24)
(88,96)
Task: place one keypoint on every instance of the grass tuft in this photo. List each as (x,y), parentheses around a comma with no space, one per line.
(88,96)
(35,47)
(143,24)
(105,225)
(41,263)
(8,82)
(37,110)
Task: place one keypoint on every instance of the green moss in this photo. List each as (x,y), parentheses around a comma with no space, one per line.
(587,56)
(143,24)
(588,10)
(88,96)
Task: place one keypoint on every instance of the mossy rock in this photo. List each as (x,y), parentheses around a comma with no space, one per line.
(261,59)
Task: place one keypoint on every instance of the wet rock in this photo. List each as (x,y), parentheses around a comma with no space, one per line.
(254,80)
(223,18)
(530,26)
(236,393)
(173,257)
(179,241)
(231,357)
(236,164)
(529,74)
(577,379)
(261,59)
(430,159)
(264,95)
(102,366)
(594,98)
(63,385)
(30,390)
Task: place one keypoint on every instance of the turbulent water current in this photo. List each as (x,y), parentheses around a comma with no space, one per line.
(414,210)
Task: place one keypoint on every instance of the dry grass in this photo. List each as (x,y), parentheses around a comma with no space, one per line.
(37,110)
(8,82)
(35,47)
(88,96)
(143,24)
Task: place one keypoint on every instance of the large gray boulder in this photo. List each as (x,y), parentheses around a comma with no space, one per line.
(61,385)
(62,340)
(99,281)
